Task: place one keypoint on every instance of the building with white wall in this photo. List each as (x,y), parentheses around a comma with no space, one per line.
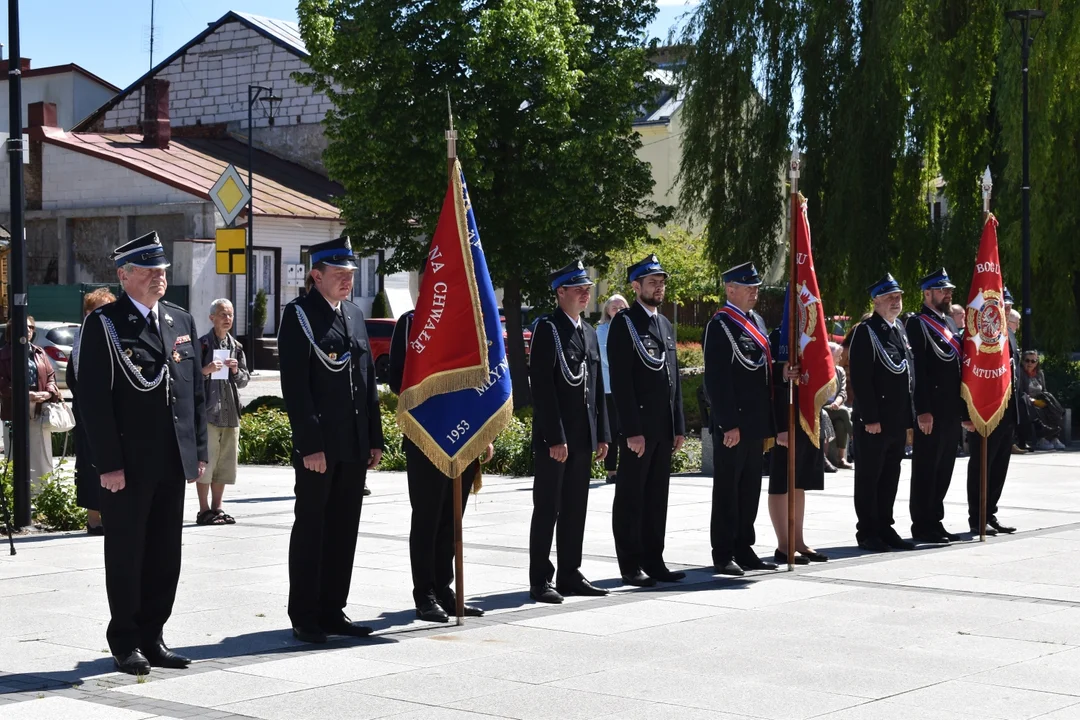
(75,91)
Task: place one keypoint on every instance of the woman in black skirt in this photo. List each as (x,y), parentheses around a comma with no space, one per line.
(809,468)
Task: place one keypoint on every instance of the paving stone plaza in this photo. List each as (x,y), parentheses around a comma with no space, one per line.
(968,632)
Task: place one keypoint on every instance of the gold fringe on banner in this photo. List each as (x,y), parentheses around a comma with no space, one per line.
(465,378)
(814,432)
(474,448)
(984,427)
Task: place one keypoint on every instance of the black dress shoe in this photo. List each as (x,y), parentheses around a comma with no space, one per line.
(160,656)
(662,574)
(893,540)
(814,556)
(309,635)
(344,626)
(448,602)
(639,579)
(993,522)
(95,530)
(930,538)
(873,544)
(582,587)
(134,663)
(367,490)
(546,594)
(756,563)
(430,611)
(948,535)
(990,532)
(781,558)
(731,568)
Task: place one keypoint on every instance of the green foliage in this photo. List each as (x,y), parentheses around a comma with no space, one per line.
(691,409)
(380,306)
(55,506)
(258,317)
(388,400)
(273,402)
(690,355)
(688,458)
(513,450)
(1063,381)
(394,455)
(688,333)
(8,488)
(265,438)
(63,444)
(682,253)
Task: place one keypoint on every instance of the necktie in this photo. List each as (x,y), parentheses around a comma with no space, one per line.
(151,321)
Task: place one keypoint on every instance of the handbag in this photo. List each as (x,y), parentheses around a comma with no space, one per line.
(57,417)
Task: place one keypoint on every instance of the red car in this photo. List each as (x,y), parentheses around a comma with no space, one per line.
(525,332)
(380,331)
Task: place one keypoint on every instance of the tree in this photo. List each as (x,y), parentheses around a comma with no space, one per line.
(682,253)
(544,94)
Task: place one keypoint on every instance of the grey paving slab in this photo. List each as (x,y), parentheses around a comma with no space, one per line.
(215,688)
(318,704)
(984,700)
(62,708)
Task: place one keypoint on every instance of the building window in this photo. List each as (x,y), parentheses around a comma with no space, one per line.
(372,283)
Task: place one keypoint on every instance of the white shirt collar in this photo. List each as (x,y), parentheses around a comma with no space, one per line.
(332,305)
(651,310)
(575,320)
(143,309)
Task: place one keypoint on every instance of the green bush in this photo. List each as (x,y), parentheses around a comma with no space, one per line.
(272,402)
(8,488)
(1063,380)
(59,449)
(690,355)
(55,506)
(688,333)
(691,409)
(380,306)
(394,456)
(388,401)
(513,450)
(688,458)
(265,438)
(258,317)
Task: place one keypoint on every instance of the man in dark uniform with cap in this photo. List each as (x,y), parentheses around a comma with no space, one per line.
(935,346)
(141,403)
(738,368)
(998,448)
(431,532)
(328,382)
(569,425)
(645,381)
(882,378)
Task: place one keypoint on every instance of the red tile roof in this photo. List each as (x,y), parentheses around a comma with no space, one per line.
(282,188)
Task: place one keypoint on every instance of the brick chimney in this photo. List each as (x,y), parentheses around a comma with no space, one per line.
(38,115)
(24,65)
(156,128)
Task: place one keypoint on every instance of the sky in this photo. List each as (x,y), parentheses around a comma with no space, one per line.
(111,38)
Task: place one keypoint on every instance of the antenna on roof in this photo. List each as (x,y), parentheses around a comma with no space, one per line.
(151,34)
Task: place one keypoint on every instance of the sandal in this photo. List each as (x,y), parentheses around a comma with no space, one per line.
(210,517)
(229,519)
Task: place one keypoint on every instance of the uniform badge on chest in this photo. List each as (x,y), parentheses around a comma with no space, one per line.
(176,355)
(332,356)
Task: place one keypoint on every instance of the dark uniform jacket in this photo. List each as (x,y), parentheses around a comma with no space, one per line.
(563,413)
(882,396)
(126,427)
(937,369)
(739,397)
(336,413)
(649,402)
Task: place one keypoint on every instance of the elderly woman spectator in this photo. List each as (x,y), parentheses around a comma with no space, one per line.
(614,304)
(1043,408)
(41,379)
(87,479)
(839,412)
(225,372)
(958,315)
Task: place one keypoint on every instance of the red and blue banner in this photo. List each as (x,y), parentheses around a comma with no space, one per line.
(455,391)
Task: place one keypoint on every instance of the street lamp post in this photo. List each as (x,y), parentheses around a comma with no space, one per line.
(254,93)
(1026,39)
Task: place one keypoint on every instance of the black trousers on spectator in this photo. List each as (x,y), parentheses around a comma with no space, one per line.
(735,498)
(877,475)
(431,534)
(611,460)
(932,463)
(998,454)
(142,550)
(639,512)
(560,499)
(323,541)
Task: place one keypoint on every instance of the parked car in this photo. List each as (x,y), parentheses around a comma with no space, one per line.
(56,339)
(525,332)
(380,331)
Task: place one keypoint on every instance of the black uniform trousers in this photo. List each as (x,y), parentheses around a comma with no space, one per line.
(735,498)
(560,498)
(431,535)
(639,512)
(323,542)
(932,462)
(877,475)
(142,550)
(611,460)
(998,454)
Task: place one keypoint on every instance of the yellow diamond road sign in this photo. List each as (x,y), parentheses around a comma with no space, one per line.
(231,248)
(230,195)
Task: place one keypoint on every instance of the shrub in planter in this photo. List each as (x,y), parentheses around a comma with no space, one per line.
(688,458)
(690,355)
(513,450)
(688,333)
(388,401)
(264,401)
(394,456)
(265,438)
(55,506)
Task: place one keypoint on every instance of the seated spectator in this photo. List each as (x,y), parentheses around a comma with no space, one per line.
(1045,411)
(839,413)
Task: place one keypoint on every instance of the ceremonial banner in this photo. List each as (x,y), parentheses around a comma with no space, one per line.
(985,377)
(456,395)
(817,384)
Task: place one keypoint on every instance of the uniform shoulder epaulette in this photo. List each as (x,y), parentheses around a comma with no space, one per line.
(172,304)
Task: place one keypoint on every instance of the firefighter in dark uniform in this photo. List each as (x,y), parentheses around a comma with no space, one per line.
(328,382)
(141,404)
(569,425)
(644,374)
(882,378)
(431,533)
(935,345)
(738,381)
(998,447)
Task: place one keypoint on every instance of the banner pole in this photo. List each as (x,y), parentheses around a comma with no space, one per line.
(987,186)
(459,552)
(792,360)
